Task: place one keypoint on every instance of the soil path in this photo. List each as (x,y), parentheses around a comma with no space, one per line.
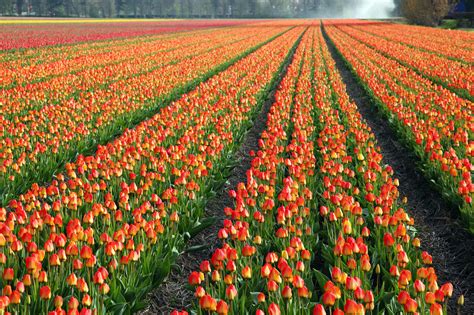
(437,222)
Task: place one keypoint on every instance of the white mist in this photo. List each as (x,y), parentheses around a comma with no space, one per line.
(369,9)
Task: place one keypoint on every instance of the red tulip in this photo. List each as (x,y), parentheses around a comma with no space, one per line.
(45,292)
(273,309)
(319,310)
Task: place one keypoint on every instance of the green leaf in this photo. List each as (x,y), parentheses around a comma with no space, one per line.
(327,254)
(196,248)
(321,278)
(203,224)
(254,296)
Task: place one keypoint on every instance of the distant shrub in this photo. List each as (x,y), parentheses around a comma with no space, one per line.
(426,12)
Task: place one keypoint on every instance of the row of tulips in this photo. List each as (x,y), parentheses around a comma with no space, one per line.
(47,63)
(91,240)
(36,141)
(247,272)
(434,37)
(433,121)
(75,63)
(318,226)
(40,63)
(451,44)
(22,103)
(21,35)
(363,188)
(451,73)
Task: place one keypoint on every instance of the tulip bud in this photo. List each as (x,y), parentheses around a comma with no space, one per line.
(87,300)
(194,278)
(45,292)
(208,303)
(419,286)
(319,310)
(58,301)
(272,286)
(287,293)
(403,297)
(436,309)
(447,289)
(411,305)
(231,292)
(73,303)
(329,298)
(222,308)
(247,272)
(274,309)
(205,266)
(430,298)
(8,274)
(104,288)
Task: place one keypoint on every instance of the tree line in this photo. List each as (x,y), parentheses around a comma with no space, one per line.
(176,8)
(427,12)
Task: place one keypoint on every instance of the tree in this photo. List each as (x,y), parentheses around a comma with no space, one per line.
(19,6)
(426,12)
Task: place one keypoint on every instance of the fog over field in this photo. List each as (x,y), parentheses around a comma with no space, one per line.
(357,9)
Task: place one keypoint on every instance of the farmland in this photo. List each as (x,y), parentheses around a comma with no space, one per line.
(235,167)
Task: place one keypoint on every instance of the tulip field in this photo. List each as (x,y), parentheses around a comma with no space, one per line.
(115,136)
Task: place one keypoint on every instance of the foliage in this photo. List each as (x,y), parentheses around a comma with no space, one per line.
(426,12)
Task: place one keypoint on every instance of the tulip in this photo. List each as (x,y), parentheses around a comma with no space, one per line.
(86,300)
(286,293)
(207,303)
(8,274)
(82,285)
(104,288)
(15,297)
(272,286)
(430,298)
(246,272)
(58,301)
(351,307)
(319,310)
(73,303)
(388,240)
(329,298)
(447,289)
(439,295)
(436,309)
(273,309)
(86,252)
(199,292)
(265,270)
(419,286)
(403,297)
(411,305)
(194,278)
(45,292)
(351,283)
(231,292)
(205,266)
(222,308)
